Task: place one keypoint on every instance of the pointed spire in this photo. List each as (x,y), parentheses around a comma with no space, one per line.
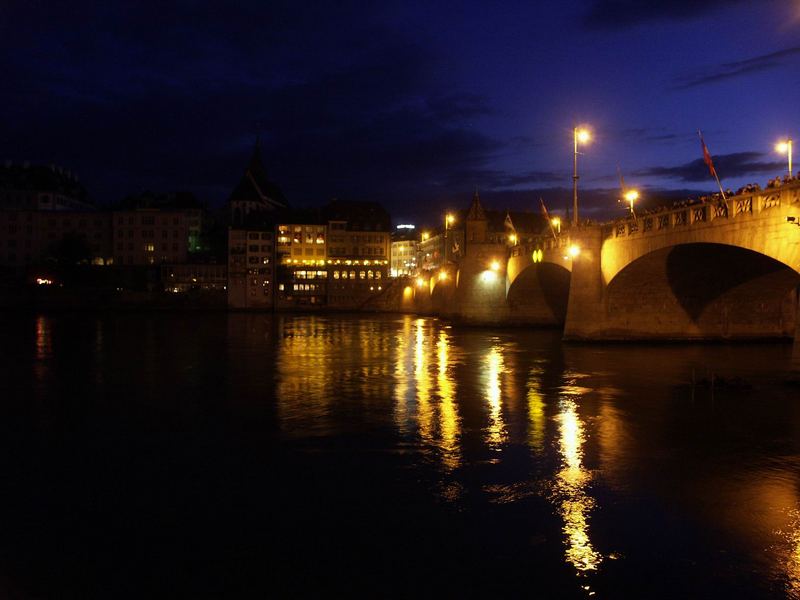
(476,212)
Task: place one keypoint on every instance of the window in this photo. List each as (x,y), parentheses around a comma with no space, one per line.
(265,260)
(252,236)
(370,275)
(149,247)
(362,275)
(353,274)
(252,248)
(336,274)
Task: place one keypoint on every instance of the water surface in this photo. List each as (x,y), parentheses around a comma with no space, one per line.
(248,455)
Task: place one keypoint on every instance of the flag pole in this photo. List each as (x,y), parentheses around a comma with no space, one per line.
(549,220)
(707,158)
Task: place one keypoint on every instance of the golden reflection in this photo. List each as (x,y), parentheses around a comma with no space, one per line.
(44,342)
(571,481)
(497,429)
(793,562)
(423,381)
(448,417)
(535,413)
(401,376)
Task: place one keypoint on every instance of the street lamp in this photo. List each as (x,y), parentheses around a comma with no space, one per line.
(449,219)
(582,135)
(556,223)
(513,239)
(786,148)
(631,196)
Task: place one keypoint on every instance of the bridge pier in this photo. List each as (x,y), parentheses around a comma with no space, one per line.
(586,306)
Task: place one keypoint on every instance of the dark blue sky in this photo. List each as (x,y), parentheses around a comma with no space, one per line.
(412,104)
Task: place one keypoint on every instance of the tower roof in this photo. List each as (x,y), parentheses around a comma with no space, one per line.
(255,186)
(476,212)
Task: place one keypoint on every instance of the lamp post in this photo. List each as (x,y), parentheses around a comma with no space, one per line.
(786,148)
(579,134)
(556,223)
(632,196)
(449,219)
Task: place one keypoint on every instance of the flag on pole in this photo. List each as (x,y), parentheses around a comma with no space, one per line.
(509,223)
(710,163)
(707,157)
(546,216)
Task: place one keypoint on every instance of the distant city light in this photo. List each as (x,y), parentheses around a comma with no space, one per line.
(44,281)
(406,226)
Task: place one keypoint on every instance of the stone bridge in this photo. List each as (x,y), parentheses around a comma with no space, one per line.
(727,270)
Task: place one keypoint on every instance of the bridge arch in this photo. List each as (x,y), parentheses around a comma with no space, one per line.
(539,294)
(703,290)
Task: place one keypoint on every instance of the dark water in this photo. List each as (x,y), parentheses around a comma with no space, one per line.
(258,456)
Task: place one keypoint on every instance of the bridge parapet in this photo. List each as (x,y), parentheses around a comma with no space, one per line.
(703,213)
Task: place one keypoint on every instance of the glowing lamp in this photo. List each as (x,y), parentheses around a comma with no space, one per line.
(495,266)
(574,251)
(631,196)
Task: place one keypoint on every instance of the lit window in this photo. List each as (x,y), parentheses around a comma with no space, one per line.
(149,248)
(336,274)
(362,275)
(353,274)
(370,274)
(377,274)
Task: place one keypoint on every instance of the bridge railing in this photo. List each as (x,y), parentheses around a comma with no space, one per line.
(703,212)
(545,242)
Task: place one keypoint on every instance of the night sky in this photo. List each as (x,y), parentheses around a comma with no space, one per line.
(412,104)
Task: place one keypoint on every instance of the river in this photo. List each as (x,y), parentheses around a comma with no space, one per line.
(247,455)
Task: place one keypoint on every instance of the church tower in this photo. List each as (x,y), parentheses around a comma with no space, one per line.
(477,225)
(255,192)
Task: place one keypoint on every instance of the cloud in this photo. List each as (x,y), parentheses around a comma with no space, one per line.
(616,14)
(739,68)
(727,165)
(130,105)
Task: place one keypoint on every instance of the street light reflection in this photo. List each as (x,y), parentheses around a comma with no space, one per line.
(449,422)
(571,481)
(496,432)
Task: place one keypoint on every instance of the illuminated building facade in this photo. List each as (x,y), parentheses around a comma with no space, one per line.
(300,256)
(358,253)
(251,256)
(403,260)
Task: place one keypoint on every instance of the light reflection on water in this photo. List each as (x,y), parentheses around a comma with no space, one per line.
(572,480)
(496,430)
(501,419)
(436,374)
